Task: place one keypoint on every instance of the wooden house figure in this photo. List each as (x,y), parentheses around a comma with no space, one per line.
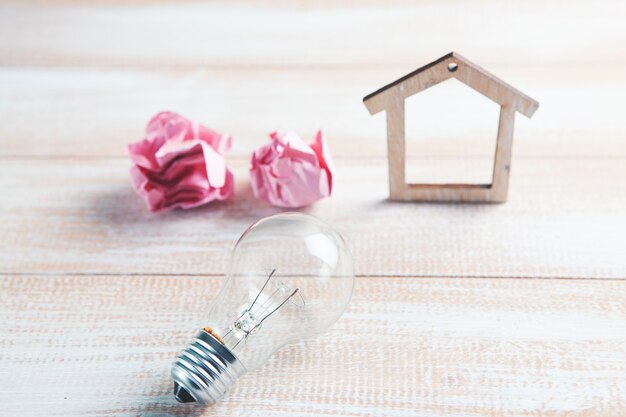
(391,98)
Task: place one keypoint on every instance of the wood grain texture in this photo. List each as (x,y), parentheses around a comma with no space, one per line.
(97,296)
(77,346)
(391,99)
(396,147)
(564,218)
(97,112)
(452,65)
(503,156)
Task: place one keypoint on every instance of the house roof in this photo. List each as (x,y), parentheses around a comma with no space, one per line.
(452,65)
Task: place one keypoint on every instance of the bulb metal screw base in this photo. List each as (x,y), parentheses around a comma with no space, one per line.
(205,371)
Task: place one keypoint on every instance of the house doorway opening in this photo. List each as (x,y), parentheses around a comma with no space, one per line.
(450,132)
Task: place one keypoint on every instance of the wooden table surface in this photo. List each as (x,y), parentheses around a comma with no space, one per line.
(459,310)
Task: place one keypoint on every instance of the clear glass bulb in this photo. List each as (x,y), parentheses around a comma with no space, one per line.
(290,278)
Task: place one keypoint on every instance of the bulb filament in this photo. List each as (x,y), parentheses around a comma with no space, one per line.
(249,321)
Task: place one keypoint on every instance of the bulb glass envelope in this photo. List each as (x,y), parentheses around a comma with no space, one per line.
(291,277)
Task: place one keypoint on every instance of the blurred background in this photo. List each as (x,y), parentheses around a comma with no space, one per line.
(79,81)
(82,78)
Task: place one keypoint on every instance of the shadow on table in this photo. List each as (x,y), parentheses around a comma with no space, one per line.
(120,206)
(443,209)
(168,407)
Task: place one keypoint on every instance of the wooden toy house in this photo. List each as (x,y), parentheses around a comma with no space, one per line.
(391,99)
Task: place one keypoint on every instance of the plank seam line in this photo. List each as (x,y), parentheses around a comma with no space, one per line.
(306,66)
(380,158)
(358,276)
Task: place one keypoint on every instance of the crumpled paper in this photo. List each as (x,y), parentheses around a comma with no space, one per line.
(287,172)
(179,163)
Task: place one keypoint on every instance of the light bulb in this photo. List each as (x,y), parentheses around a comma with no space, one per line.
(290,278)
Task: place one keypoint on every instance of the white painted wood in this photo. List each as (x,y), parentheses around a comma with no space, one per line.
(97,112)
(80,79)
(564,218)
(103,345)
(278,34)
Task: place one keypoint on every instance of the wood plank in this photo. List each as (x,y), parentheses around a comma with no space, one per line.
(97,112)
(564,218)
(278,34)
(75,346)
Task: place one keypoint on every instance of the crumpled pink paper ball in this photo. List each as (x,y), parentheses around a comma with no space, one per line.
(179,163)
(287,172)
